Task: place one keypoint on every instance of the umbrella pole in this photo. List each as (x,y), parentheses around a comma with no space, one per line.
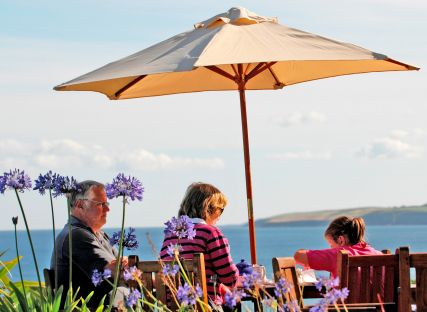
(251,223)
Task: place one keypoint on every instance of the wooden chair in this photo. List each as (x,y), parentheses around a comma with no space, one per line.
(366,277)
(285,267)
(418,261)
(156,289)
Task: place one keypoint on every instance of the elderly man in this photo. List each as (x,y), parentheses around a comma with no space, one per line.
(91,247)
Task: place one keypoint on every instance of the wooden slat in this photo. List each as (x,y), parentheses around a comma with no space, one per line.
(377,282)
(419,262)
(404,296)
(354,284)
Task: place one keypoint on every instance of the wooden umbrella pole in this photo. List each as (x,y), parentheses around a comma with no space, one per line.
(251,223)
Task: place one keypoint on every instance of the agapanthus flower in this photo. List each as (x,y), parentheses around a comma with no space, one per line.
(124,186)
(331,296)
(251,280)
(294,306)
(181,227)
(318,308)
(231,298)
(15,179)
(170,270)
(174,249)
(45,182)
(129,239)
(132,298)
(188,295)
(327,282)
(98,276)
(64,185)
(132,273)
(282,287)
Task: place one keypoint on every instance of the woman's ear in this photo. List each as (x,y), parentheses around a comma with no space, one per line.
(341,240)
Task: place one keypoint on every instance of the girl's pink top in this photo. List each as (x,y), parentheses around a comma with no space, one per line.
(326,259)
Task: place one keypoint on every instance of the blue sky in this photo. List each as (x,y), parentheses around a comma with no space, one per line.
(335,143)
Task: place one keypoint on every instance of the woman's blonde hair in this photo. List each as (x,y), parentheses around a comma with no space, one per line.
(201,198)
(352,228)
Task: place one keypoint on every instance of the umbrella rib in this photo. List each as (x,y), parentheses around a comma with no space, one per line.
(259,69)
(221,72)
(129,85)
(258,66)
(234,69)
(278,84)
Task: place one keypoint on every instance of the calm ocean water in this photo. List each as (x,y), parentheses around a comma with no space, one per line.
(271,242)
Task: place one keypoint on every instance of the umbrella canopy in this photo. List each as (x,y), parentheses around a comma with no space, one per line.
(235,50)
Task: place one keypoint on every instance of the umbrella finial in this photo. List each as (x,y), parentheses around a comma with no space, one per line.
(235,16)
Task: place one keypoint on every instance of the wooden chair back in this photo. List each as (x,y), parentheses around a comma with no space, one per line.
(368,276)
(285,267)
(155,287)
(409,295)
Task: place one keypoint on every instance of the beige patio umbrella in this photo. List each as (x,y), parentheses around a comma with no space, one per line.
(235,50)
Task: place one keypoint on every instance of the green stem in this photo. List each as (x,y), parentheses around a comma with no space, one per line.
(31,245)
(119,255)
(70,248)
(20,269)
(54,241)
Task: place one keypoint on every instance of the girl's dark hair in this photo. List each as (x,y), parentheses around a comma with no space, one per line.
(352,228)
(201,198)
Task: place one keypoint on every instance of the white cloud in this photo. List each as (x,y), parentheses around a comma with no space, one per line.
(298,118)
(304,155)
(11,147)
(390,147)
(145,160)
(58,154)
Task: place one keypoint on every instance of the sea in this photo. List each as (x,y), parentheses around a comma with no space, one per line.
(270,242)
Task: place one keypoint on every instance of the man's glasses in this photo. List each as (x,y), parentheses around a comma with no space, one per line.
(98,203)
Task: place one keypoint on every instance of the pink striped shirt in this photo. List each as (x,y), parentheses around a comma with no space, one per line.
(211,242)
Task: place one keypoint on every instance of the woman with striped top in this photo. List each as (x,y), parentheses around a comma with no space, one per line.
(204,204)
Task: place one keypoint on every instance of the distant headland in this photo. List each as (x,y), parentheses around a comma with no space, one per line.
(402,215)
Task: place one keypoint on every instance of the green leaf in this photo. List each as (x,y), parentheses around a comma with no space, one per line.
(21,298)
(7,266)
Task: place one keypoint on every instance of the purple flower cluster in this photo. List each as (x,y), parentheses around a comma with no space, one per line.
(124,186)
(328,283)
(282,287)
(251,280)
(45,182)
(15,179)
(231,298)
(129,239)
(174,249)
(188,295)
(132,298)
(170,270)
(331,295)
(181,227)
(132,274)
(98,277)
(64,185)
